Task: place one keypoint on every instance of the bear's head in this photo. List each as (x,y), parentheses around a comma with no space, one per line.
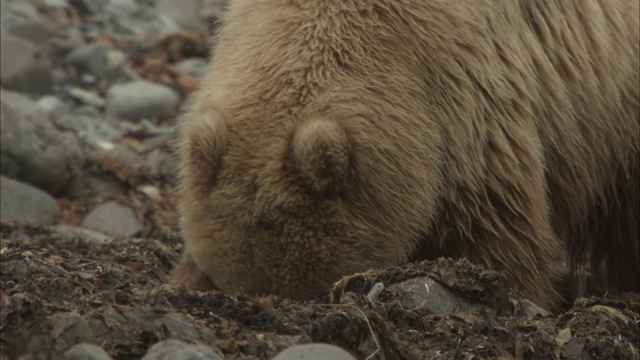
(289,217)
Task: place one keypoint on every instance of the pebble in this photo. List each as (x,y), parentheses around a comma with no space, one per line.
(66,41)
(212,11)
(21,68)
(37,32)
(86,351)
(144,23)
(161,164)
(152,192)
(73,232)
(90,185)
(16,12)
(425,293)
(194,66)
(113,218)
(139,99)
(90,7)
(86,97)
(90,58)
(51,106)
(184,13)
(32,149)
(122,153)
(532,310)
(23,202)
(314,352)
(128,7)
(55,4)
(178,349)
(89,127)
(376,291)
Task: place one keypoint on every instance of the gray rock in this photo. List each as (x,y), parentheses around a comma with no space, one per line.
(158,136)
(91,185)
(21,67)
(124,154)
(119,71)
(89,127)
(86,351)
(91,7)
(12,13)
(32,149)
(23,202)
(117,59)
(177,349)
(531,310)
(194,66)
(426,294)
(90,58)
(60,76)
(86,97)
(88,79)
(139,99)
(26,8)
(161,163)
(142,24)
(114,219)
(376,290)
(38,32)
(151,191)
(73,232)
(314,352)
(67,39)
(55,4)
(112,323)
(184,13)
(212,11)
(51,105)
(128,7)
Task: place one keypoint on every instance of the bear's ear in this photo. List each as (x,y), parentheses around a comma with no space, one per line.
(203,144)
(321,152)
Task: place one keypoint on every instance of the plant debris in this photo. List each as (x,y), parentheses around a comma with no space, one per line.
(59,290)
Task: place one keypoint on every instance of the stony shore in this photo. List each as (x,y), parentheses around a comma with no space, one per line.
(91,93)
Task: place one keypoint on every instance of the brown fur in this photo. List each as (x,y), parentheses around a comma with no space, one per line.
(332,136)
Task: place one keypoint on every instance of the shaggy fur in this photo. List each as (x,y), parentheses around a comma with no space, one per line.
(333,136)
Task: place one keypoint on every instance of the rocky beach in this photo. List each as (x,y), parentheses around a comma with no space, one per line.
(91,94)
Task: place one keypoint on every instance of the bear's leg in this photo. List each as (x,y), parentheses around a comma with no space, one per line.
(188,274)
(613,236)
(502,218)
(526,250)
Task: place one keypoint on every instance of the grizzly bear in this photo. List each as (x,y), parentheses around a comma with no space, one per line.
(334,136)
